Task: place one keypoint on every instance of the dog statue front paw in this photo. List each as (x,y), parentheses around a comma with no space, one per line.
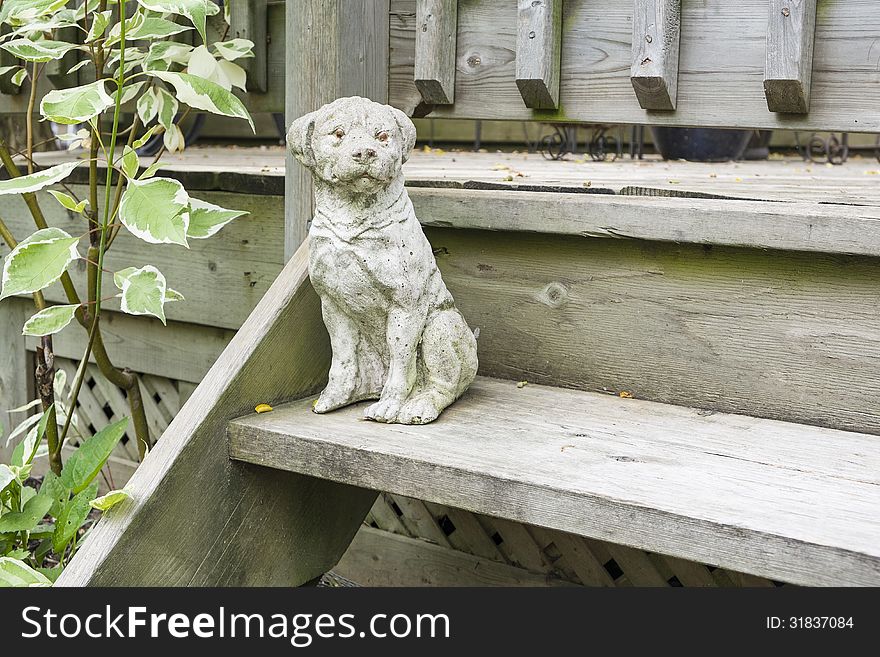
(384,410)
(332,398)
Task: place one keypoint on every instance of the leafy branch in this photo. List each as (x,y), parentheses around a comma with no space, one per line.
(125,59)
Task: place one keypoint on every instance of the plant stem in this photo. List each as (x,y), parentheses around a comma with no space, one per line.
(102,244)
(120,179)
(45,374)
(32,99)
(7,235)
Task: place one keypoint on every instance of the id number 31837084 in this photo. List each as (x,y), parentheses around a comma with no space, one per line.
(809,623)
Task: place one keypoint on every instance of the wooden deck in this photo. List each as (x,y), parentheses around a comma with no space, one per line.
(779,500)
(783,203)
(261,170)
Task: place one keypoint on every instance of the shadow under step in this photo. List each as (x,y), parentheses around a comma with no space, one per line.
(786,501)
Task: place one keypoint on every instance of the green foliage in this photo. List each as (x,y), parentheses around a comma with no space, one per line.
(162,78)
(37,181)
(141,67)
(27,540)
(38,261)
(85,464)
(49,321)
(77,105)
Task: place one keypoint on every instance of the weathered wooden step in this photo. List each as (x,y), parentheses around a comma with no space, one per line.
(791,502)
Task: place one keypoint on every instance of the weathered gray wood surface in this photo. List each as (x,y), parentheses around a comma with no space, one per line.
(197,518)
(260,171)
(377,558)
(754,224)
(791,336)
(249,20)
(334,49)
(779,500)
(436,34)
(721,68)
(13,365)
(789,67)
(241,260)
(538,50)
(179,351)
(656,36)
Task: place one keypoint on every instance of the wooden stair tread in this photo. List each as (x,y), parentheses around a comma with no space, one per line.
(787,501)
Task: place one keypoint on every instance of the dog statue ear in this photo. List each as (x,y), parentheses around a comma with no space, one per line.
(299,139)
(407,131)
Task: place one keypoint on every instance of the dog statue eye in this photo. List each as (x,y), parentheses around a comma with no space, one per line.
(339,132)
(382,136)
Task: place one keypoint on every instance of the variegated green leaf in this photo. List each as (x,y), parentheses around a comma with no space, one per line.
(38,261)
(205,95)
(109,500)
(167,109)
(235,49)
(131,25)
(163,54)
(130,91)
(23,11)
(78,65)
(76,105)
(224,73)
(144,138)
(174,140)
(151,171)
(7,476)
(100,21)
(16,573)
(143,293)
(37,181)
(130,162)
(19,77)
(156,210)
(195,10)
(122,275)
(37,51)
(148,106)
(48,23)
(157,28)
(49,320)
(205,219)
(69,202)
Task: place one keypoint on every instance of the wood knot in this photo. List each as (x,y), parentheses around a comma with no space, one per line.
(474,61)
(554,295)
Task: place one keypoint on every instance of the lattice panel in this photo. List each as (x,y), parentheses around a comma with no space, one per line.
(556,554)
(101,403)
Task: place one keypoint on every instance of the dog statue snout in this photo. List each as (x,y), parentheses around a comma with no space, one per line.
(363,155)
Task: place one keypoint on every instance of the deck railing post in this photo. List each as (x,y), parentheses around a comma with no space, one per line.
(334,48)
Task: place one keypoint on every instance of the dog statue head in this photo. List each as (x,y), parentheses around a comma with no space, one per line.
(353,143)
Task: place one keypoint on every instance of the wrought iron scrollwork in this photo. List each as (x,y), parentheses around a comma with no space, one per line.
(559,143)
(820,149)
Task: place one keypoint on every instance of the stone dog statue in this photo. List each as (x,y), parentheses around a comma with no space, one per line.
(394,329)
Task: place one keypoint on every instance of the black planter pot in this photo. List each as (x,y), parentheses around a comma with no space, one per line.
(700,144)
